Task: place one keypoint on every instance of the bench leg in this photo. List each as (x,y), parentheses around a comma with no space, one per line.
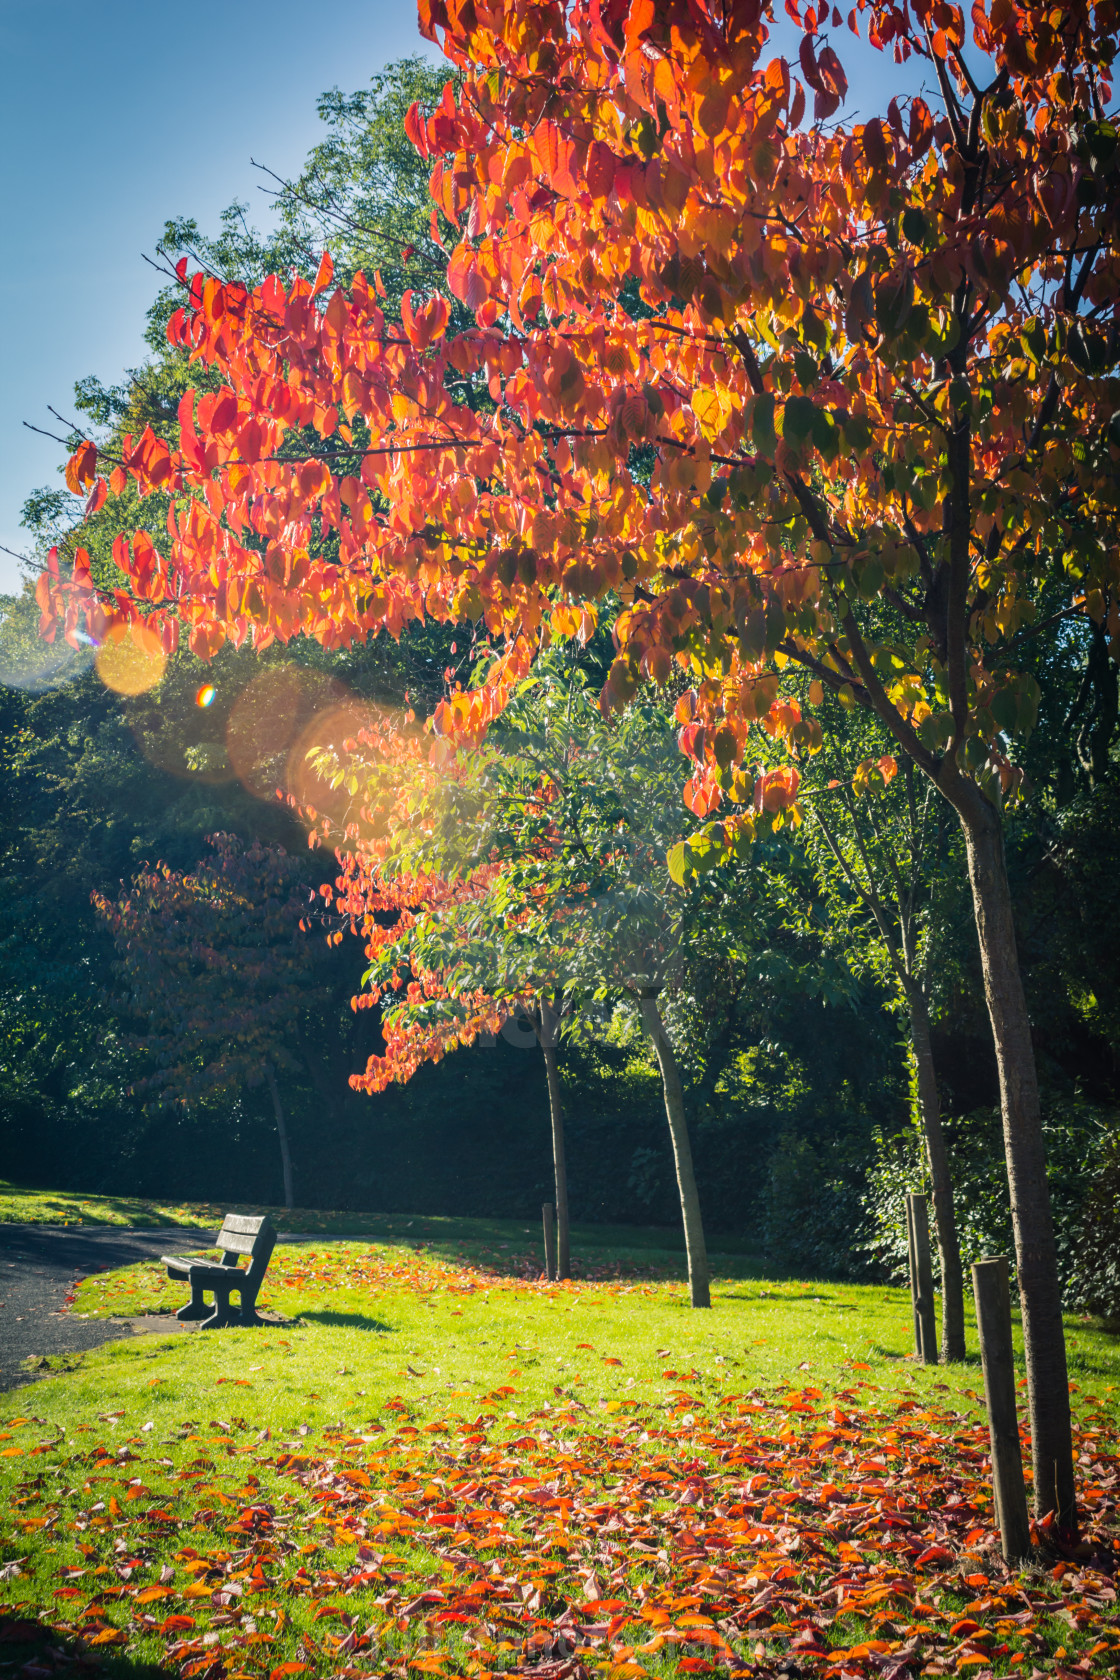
(249,1308)
(221,1315)
(196,1307)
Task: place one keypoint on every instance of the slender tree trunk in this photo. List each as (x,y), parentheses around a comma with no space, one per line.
(944,1214)
(282,1134)
(1035,1251)
(695,1247)
(559,1161)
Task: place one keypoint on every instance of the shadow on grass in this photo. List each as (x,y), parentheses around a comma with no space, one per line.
(345,1321)
(797,1296)
(1105,1326)
(31,1647)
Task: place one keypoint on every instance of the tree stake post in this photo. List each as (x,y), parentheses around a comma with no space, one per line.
(548,1219)
(921,1280)
(993,1322)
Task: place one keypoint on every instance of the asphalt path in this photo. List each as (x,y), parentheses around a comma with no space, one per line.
(38,1268)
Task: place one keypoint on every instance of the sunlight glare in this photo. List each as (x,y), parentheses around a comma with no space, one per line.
(131,659)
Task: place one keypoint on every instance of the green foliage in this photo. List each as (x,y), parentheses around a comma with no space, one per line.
(813,1213)
(576,816)
(363,191)
(1095,1257)
(1083,1151)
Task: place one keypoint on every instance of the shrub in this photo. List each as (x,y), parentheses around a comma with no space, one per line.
(1083,1155)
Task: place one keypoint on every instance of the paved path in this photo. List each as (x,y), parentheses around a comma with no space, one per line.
(38,1265)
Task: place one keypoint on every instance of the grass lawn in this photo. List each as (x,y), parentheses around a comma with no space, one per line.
(440,1466)
(597,1247)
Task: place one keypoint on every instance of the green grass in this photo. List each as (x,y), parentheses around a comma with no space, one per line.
(429,1308)
(617,1247)
(21,1205)
(421,1377)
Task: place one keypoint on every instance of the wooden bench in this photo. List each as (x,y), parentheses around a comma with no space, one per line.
(240,1234)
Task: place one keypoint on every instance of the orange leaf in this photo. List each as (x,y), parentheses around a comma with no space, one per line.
(81,469)
(323,277)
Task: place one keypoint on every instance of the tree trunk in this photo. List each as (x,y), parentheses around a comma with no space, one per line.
(1035,1252)
(282,1134)
(559,1161)
(694,1244)
(944,1215)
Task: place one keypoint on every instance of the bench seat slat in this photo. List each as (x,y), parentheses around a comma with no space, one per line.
(205,1270)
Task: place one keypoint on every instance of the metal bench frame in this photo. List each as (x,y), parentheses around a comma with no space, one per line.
(240,1234)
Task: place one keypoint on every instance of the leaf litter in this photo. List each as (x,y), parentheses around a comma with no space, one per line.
(296,1271)
(777,1531)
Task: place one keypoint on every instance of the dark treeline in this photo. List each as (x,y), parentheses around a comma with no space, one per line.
(800,1090)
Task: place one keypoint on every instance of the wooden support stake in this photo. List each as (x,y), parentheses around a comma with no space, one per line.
(921,1280)
(912,1270)
(993,1321)
(548,1219)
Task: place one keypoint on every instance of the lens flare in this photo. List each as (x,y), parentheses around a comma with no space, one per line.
(327,729)
(268,715)
(206,695)
(131,659)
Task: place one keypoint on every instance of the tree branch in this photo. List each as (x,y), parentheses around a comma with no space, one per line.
(881,705)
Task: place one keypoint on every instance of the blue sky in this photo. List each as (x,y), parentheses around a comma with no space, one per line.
(116,117)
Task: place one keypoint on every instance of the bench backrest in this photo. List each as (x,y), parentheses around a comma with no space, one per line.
(244,1233)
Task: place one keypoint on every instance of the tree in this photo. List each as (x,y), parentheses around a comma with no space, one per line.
(218,963)
(756,376)
(395,894)
(529,872)
(881,848)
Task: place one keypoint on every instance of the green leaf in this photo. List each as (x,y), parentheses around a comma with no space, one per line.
(914,225)
(869,579)
(775,623)
(1005,709)
(1033,340)
(763,435)
(799,415)
(894,298)
(857,432)
(806,369)
(941,340)
(679,863)
(826,434)
(814,330)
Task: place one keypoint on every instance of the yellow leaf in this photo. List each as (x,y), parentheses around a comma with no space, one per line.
(712,406)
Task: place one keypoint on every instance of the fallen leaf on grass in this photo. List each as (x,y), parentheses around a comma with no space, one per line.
(751,1527)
